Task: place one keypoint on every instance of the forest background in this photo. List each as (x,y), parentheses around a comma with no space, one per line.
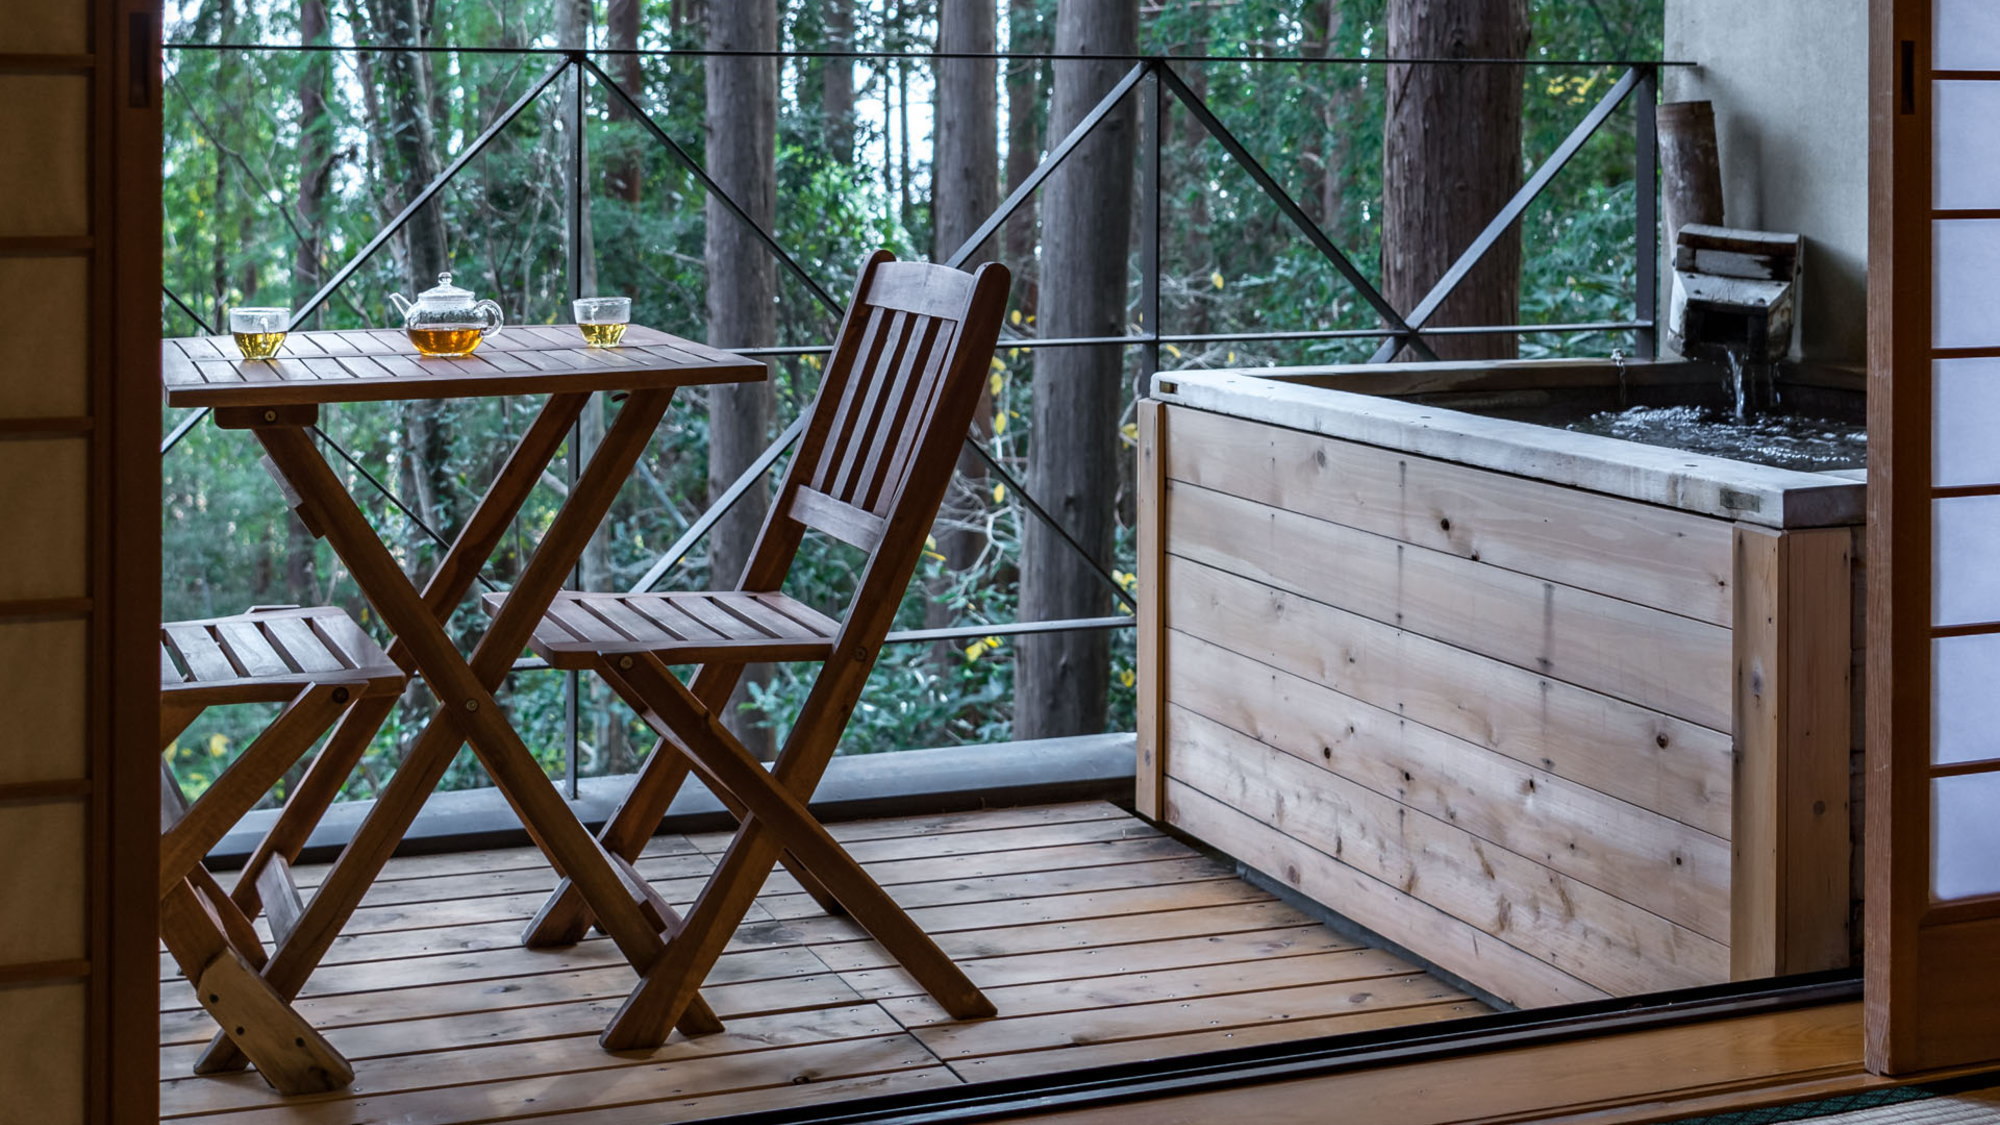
(280,165)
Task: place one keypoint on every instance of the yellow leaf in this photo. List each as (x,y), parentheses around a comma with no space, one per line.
(1015,316)
(1232,357)
(991,642)
(1013,353)
(1127,678)
(812,361)
(997,365)
(999,423)
(1130,430)
(218,744)
(999,493)
(1173,351)
(930,541)
(974,651)
(1215,279)
(934,555)
(995,383)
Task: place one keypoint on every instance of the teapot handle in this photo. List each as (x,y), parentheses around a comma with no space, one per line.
(495,317)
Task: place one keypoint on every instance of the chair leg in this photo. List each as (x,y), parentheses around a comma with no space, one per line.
(564,919)
(237,927)
(291,1055)
(778,819)
(315,793)
(246,781)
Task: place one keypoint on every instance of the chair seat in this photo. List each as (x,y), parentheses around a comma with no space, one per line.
(683,628)
(267,655)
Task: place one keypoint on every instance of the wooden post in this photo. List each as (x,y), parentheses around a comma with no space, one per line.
(1790,890)
(1150,785)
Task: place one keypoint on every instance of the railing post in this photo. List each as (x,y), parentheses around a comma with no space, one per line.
(1646,211)
(572,683)
(1152,125)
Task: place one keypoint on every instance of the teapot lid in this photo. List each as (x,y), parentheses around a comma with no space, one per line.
(444,294)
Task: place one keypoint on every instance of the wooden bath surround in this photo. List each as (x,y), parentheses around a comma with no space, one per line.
(1566,716)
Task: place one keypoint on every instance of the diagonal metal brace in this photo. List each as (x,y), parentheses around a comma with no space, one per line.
(1515,208)
(1292,210)
(714,189)
(1048,166)
(431,189)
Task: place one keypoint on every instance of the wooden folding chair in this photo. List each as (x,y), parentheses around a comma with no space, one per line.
(317,662)
(871,469)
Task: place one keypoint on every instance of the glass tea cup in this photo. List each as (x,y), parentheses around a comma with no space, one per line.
(259,332)
(603,319)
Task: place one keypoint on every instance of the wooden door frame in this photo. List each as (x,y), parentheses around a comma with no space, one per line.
(1901,920)
(122,1038)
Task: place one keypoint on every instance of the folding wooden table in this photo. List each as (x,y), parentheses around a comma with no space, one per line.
(278,401)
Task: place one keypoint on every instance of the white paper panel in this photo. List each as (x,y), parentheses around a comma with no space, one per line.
(1965,283)
(1965,711)
(1966,162)
(1965,402)
(1965,563)
(1968,35)
(1965,844)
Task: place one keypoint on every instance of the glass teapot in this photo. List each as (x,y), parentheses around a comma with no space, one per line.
(446,320)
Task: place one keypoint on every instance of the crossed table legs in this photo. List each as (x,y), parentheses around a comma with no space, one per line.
(467,711)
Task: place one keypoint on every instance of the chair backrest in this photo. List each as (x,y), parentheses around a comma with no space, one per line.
(895,403)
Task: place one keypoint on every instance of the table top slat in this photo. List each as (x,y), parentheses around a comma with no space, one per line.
(381,365)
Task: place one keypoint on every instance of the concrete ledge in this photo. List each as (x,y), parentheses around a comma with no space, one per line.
(907,783)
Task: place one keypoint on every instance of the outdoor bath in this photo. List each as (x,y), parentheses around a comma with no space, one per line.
(1567,715)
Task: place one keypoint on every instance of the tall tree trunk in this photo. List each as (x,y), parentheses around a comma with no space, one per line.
(1025,35)
(836,99)
(742,284)
(1060,679)
(1451,158)
(315,167)
(965,189)
(625,176)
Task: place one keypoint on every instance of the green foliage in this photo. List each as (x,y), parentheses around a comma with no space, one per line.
(236,135)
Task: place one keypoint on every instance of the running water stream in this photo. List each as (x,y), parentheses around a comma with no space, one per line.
(1752,427)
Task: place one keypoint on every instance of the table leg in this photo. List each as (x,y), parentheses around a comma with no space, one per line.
(465,693)
(447,587)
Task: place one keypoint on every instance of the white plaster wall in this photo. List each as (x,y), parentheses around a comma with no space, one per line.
(1789,79)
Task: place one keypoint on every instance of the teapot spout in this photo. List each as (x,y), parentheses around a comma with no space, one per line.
(402,304)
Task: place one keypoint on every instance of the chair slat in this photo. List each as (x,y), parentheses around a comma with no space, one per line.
(859,426)
(812,620)
(300,644)
(843,521)
(713,616)
(850,389)
(170,673)
(901,414)
(754,609)
(660,608)
(248,649)
(584,626)
(914,287)
(204,658)
(344,638)
(622,618)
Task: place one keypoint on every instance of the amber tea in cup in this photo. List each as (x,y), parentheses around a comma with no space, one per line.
(602,320)
(259,332)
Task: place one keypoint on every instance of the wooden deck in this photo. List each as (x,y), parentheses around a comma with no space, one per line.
(1100,940)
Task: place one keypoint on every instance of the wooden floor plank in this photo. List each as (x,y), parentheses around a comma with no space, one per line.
(953,1042)
(1099,939)
(990,1068)
(1078,964)
(604,1089)
(1121,989)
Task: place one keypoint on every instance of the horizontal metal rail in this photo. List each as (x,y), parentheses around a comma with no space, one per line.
(919,56)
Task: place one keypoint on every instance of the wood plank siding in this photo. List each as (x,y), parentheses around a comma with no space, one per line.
(1562,744)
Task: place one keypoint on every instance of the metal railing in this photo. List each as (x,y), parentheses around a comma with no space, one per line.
(1155,83)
